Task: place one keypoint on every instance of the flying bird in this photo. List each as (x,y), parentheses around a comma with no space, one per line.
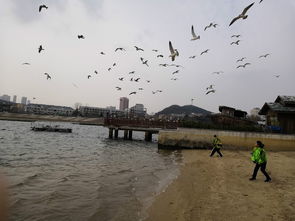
(176,72)
(148,81)
(40,49)
(217,72)
(173,79)
(109,69)
(244,65)
(192,57)
(242,15)
(236,36)
(160,56)
(206,51)
(155,50)
(140,89)
(102,53)
(89,76)
(235,42)
(138,49)
(260,1)
(164,65)
(176,65)
(118,88)
(173,51)
(241,59)
(145,62)
(121,79)
(81,37)
(215,25)
(264,56)
(131,72)
(277,76)
(41,7)
(26,63)
(208,26)
(48,77)
(120,49)
(136,80)
(134,92)
(96,72)
(210,87)
(211,91)
(195,37)
(114,64)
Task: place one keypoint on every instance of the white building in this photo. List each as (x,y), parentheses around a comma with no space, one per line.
(49,109)
(14,98)
(138,109)
(24,100)
(100,112)
(5,97)
(124,103)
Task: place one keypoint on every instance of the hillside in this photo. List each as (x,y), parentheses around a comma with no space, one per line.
(186,109)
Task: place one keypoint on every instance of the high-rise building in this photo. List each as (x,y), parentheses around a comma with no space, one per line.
(6,97)
(124,103)
(14,98)
(24,100)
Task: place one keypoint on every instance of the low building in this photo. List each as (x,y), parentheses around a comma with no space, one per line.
(138,110)
(280,115)
(86,111)
(5,105)
(232,112)
(5,97)
(49,109)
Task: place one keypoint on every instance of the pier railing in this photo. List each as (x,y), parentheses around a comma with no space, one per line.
(141,123)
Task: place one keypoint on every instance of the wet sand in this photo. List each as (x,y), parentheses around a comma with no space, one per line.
(219,189)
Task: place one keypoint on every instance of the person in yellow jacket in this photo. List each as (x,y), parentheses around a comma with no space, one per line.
(216,146)
(259,158)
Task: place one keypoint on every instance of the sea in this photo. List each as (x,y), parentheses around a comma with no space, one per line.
(82,175)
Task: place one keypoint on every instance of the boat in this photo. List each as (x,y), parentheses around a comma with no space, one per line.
(50,127)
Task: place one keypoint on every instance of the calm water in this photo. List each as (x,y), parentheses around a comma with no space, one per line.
(83,175)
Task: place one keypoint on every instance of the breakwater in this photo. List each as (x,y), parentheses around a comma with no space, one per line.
(183,138)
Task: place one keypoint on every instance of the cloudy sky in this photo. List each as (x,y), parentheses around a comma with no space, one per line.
(148,24)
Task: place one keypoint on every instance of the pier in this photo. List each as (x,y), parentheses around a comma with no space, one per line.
(149,127)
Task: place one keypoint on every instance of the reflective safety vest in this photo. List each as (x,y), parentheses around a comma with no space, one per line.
(217,143)
(258,155)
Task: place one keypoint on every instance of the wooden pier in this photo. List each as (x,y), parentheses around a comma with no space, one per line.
(149,127)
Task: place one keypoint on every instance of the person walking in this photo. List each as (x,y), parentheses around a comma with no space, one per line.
(216,146)
(259,158)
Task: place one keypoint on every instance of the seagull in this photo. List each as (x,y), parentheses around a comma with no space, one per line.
(131,79)
(48,76)
(140,89)
(136,80)
(114,64)
(118,88)
(176,72)
(145,62)
(121,79)
(264,56)
(102,53)
(148,81)
(215,25)
(217,72)
(192,57)
(40,49)
(211,91)
(154,92)
(89,76)
(177,65)
(131,72)
(244,65)
(173,51)
(160,56)
(236,36)
(173,79)
(120,49)
(81,37)
(235,42)
(109,69)
(134,92)
(208,26)
(155,50)
(195,37)
(96,72)
(164,65)
(241,59)
(242,15)
(206,51)
(26,63)
(260,1)
(159,91)
(138,49)
(42,6)
(277,76)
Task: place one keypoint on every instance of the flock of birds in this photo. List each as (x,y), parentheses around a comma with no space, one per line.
(174,53)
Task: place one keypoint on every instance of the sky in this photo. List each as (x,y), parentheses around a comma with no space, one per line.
(148,24)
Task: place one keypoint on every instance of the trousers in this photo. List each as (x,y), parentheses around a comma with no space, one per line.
(216,150)
(262,167)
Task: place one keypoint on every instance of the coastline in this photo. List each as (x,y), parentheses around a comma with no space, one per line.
(218,189)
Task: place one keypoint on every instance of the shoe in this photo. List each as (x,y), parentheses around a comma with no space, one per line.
(252,178)
(267,180)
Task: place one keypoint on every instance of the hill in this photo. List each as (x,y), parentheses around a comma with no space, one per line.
(186,109)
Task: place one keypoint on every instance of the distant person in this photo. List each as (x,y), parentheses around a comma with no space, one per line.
(259,158)
(216,146)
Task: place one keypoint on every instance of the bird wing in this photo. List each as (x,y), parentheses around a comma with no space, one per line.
(40,8)
(247,8)
(193,32)
(171,48)
(236,18)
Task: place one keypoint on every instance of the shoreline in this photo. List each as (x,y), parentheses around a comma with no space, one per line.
(219,189)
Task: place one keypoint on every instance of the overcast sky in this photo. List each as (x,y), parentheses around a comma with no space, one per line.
(148,24)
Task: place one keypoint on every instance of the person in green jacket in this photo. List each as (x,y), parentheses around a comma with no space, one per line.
(259,158)
(216,146)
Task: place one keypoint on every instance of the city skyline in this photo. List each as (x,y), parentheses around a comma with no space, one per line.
(109,25)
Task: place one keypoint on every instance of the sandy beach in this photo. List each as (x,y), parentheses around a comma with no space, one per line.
(219,189)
